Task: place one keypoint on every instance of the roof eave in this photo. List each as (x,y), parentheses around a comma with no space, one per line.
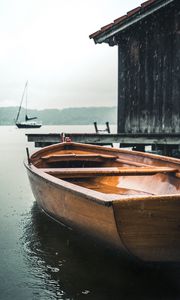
(108,36)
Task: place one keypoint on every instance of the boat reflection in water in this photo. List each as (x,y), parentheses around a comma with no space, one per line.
(65,265)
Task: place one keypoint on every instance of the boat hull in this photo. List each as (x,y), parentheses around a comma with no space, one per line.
(19,125)
(77,211)
(116,205)
(150,228)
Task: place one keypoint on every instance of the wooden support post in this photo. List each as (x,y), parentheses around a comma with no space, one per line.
(107,127)
(95,126)
(28,156)
(102,130)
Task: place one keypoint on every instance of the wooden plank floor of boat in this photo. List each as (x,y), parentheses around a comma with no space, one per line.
(107,189)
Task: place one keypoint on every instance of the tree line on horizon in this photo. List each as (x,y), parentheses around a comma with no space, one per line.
(66,116)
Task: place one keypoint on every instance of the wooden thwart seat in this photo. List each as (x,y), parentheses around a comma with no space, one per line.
(76,157)
(107,171)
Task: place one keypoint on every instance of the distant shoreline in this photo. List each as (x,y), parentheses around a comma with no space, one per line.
(67,116)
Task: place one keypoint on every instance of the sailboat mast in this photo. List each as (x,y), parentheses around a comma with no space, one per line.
(21,102)
(26,99)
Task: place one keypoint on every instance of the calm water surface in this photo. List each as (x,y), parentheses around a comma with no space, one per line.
(39,259)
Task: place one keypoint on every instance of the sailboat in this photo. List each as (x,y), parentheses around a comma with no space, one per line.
(28,120)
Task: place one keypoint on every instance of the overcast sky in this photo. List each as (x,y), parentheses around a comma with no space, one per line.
(47,43)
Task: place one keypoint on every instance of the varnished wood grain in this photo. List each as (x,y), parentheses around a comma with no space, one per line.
(78,157)
(106,171)
(150,227)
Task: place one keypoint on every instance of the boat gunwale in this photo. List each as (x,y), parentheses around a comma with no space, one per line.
(155,157)
(95,196)
(162,197)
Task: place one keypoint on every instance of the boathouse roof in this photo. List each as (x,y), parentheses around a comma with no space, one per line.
(107,33)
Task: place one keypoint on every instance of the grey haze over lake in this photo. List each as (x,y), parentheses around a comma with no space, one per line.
(47,43)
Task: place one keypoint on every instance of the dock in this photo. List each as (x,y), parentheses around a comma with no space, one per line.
(166,144)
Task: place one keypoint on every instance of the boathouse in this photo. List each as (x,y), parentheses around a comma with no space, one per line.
(148,40)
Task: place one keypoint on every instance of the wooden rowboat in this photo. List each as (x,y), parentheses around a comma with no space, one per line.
(128,199)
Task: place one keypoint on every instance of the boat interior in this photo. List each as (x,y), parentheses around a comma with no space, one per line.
(110,172)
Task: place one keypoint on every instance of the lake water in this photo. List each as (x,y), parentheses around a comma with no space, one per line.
(40,259)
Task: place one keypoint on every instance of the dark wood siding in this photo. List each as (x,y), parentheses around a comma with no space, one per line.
(149,74)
